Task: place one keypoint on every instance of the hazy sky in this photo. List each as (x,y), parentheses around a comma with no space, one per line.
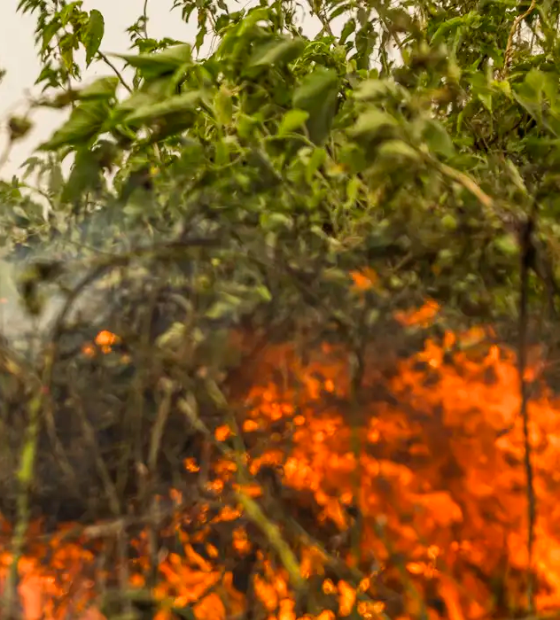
(18,56)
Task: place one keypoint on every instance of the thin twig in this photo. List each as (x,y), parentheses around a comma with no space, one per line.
(468,183)
(145,18)
(100,266)
(509,47)
(150,483)
(25,475)
(123,569)
(115,70)
(100,464)
(111,528)
(322,18)
(251,508)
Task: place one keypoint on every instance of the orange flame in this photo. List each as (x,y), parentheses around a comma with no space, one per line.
(435,473)
(104,341)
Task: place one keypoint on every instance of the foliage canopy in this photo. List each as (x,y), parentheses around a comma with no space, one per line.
(416,139)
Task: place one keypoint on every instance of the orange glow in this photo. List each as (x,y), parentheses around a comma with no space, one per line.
(222,433)
(427,496)
(88,350)
(191,465)
(104,341)
(347,598)
(365,279)
(241,542)
(105,338)
(422,317)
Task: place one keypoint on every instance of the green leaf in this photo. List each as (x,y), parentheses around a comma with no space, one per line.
(262,293)
(49,31)
(186,103)
(223,106)
(314,86)
(352,189)
(85,122)
(93,35)
(84,176)
(103,88)
(174,336)
(371,90)
(516,177)
(536,81)
(293,119)
(530,93)
(486,99)
(507,244)
(371,122)
(226,307)
(154,65)
(254,15)
(449,222)
(348,29)
(317,159)
(67,44)
(137,100)
(279,51)
(68,11)
(437,138)
(448,26)
(275,221)
(397,149)
(317,95)
(260,162)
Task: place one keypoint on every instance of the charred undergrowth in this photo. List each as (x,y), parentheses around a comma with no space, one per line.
(115,433)
(111,408)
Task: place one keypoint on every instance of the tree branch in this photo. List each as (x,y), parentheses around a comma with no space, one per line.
(509,47)
(526,258)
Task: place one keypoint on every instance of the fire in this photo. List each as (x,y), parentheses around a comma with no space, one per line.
(421,495)
(104,342)
(422,317)
(365,279)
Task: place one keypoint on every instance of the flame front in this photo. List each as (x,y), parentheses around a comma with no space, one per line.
(421,478)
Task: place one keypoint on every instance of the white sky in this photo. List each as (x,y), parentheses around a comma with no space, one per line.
(18,56)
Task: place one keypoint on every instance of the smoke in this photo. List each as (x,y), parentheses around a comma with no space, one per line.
(16,321)
(70,255)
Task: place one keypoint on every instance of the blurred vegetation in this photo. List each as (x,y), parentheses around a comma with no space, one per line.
(236,190)
(418,141)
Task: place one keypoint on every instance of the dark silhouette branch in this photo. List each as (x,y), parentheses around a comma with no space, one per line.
(527,259)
